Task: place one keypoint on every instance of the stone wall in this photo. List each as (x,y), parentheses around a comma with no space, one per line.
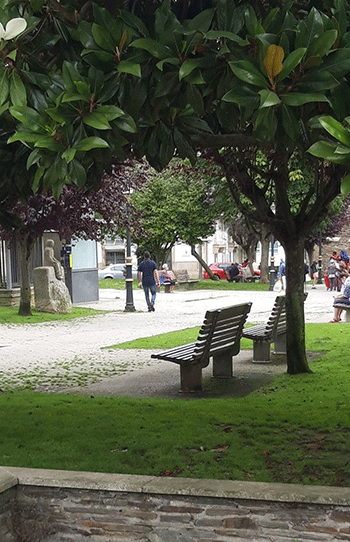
(61,506)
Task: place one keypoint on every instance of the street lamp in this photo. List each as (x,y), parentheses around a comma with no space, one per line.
(272,258)
(129,306)
(319,280)
(272,264)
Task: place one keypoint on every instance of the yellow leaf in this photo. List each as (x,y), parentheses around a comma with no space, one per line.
(273,61)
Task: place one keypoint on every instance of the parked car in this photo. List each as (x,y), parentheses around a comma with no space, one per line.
(116,271)
(218,269)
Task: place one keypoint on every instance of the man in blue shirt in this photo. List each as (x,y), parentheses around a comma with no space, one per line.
(147,270)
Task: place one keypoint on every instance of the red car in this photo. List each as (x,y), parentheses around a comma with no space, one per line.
(218,269)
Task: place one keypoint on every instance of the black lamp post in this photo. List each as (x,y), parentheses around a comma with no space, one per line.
(319,280)
(129,306)
(272,265)
(272,258)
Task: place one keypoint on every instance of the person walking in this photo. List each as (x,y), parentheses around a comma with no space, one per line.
(148,278)
(314,273)
(282,274)
(331,274)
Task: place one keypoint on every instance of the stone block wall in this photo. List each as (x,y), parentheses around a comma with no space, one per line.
(61,506)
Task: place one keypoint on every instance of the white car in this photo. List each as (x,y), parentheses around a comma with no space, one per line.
(115,271)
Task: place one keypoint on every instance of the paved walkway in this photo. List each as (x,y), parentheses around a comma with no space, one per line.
(59,355)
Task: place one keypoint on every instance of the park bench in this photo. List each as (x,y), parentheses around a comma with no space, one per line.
(345,308)
(219,338)
(274,331)
(183,278)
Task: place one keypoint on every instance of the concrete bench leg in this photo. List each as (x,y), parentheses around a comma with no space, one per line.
(181,285)
(191,285)
(347,315)
(261,351)
(222,366)
(280,344)
(167,288)
(190,377)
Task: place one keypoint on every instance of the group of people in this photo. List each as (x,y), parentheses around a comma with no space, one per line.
(239,272)
(338,265)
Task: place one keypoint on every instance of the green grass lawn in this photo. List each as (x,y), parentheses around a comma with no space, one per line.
(9,315)
(119,284)
(295,430)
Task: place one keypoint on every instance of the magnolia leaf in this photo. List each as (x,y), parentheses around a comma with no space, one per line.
(273,61)
(171,60)
(77,173)
(291,62)
(191,64)
(268,98)
(322,149)
(4,87)
(327,151)
(37,177)
(110,112)
(18,92)
(103,38)
(30,118)
(47,142)
(298,98)
(69,154)
(33,158)
(25,137)
(4,107)
(153,47)
(91,143)
(96,120)
(246,71)
(345,186)
(340,149)
(336,129)
(126,123)
(125,66)
(323,44)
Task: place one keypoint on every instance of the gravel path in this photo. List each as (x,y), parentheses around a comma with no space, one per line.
(61,356)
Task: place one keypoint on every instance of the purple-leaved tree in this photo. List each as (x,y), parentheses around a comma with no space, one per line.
(77,213)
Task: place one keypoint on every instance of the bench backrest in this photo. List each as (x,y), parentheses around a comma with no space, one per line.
(221,331)
(182,275)
(277,322)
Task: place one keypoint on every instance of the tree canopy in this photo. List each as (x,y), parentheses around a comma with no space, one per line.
(176,205)
(82,84)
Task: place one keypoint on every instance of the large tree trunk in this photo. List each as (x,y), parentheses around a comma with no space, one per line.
(296,353)
(203,263)
(26,245)
(264,262)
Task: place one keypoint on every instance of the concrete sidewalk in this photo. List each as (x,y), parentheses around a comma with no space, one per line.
(57,355)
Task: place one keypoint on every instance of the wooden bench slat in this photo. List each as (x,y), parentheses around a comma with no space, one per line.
(218,338)
(274,331)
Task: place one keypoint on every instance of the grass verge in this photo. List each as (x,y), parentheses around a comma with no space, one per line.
(9,315)
(296,430)
(119,284)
